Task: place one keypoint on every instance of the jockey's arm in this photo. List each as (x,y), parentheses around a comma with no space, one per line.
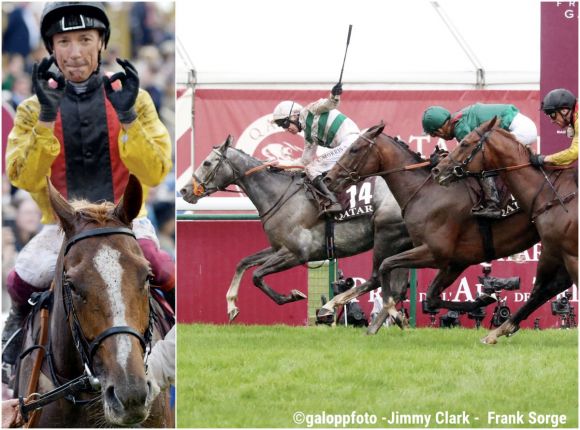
(309,153)
(145,146)
(568,155)
(324,105)
(31,149)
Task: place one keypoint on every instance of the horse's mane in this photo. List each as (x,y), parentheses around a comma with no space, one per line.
(95,213)
(416,155)
(523,150)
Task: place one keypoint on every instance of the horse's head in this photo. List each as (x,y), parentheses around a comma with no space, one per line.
(103,280)
(215,173)
(358,160)
(467,154)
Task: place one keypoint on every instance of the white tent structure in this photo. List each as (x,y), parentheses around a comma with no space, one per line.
(398,44)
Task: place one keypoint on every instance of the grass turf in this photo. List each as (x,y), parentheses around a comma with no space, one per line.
(258,376)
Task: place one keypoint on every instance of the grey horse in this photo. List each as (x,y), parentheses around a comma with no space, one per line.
(296,234)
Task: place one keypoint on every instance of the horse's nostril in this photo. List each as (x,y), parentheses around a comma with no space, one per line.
(183,191)
(112,399)
(435,170)
(327,180)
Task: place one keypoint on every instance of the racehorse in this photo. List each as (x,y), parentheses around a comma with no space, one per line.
(551,202)
(290,220)
(446,236)
(85,353)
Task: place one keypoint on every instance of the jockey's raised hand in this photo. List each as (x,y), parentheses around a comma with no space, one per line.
(124,99)
(49,96)
(336,90)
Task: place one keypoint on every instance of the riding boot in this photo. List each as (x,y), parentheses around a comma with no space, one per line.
(331,206)
(11,334)
(491,207)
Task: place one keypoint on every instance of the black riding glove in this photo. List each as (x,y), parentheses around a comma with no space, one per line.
(336,90)
(124,100)
(48,97)
(537,160)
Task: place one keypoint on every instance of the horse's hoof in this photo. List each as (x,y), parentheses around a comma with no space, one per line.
(325,319)
(323,312)
(373,329)
(233,314)
(298,295)
(489,340)
(399,322)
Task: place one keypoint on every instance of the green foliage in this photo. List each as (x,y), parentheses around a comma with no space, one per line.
(256,376)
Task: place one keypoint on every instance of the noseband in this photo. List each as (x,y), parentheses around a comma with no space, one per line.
(200,188)
(459,168)
(87,350)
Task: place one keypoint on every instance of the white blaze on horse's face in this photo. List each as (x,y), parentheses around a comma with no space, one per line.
(107,264)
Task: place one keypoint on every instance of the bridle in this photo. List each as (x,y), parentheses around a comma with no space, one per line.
(86,382)
(200,188)
(459,168)
(353,176)
(85,349)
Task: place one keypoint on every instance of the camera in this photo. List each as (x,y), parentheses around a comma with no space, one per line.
(449,320)
(501,314)
(351,313)
(565,310)
(477,314)
(431,311)
(342,284)
(562,305)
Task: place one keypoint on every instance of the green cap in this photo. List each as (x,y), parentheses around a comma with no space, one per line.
(434,117)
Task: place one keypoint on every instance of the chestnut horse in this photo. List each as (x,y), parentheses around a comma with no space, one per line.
(445,234)
(551,202)
(92,338)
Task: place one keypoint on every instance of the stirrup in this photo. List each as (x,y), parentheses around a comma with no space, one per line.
(487,212)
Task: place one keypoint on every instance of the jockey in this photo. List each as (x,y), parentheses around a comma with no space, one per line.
(323,124)
(562,108)
(87,137)
(439,122)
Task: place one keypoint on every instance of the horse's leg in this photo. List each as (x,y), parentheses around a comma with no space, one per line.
(551,279)
(281,260)
(244,264)
(342,298)
(419,257)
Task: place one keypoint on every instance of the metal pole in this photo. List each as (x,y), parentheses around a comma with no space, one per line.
(413,299)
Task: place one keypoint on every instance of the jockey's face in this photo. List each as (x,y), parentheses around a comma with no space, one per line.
(293,128)
(444,132)
(560,117)
(77,53)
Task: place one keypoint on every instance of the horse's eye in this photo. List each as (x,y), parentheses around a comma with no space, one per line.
(353,150)
(149,280)
(464,144)
(207,163)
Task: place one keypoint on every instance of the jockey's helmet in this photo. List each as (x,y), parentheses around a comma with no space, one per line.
(559,98)
(283,111)
(61,17)
(434,117)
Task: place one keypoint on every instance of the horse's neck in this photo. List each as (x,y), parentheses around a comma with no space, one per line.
(403,184)
(263,187)
(523,183)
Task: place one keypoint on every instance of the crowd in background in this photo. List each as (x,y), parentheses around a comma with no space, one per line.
(143,33)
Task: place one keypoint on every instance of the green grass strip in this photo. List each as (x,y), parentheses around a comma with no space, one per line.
(258,376)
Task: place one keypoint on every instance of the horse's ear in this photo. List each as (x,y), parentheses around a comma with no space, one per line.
(376,130)
(229,141)
(62,209)
(130,204)
(492,122)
